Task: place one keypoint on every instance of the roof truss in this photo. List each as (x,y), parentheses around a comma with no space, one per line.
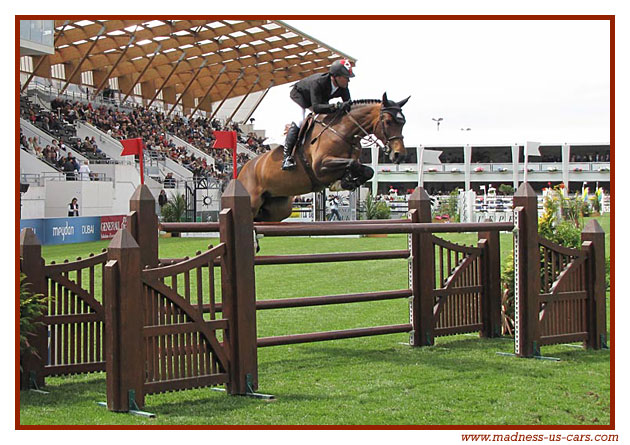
(185,57)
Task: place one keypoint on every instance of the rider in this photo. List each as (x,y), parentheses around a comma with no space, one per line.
(313,93)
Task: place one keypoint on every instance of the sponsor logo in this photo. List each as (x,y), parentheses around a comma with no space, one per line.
(63,231)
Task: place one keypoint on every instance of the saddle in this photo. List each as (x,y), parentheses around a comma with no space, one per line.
(305,129)
(304,135)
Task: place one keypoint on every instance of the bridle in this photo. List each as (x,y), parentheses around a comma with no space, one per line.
(395,112)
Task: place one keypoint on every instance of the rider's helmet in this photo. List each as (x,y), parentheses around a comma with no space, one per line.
(341,67)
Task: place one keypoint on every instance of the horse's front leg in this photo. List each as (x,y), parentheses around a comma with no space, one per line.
(331,165)
(356,175)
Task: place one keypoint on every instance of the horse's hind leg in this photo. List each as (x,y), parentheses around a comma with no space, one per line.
(275,209)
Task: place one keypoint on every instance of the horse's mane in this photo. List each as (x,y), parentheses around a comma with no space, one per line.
(365,102)
(354,104)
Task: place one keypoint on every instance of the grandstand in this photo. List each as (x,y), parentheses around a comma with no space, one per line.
(87,84)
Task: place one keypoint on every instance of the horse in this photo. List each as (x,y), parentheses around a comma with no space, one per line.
(326,152)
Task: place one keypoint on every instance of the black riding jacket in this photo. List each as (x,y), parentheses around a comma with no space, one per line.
(314,92)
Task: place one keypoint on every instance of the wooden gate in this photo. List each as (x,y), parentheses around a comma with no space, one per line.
(560,293)
(162,332)
(70,339)
(181,348)
(457,289)
(75,320)
(563,293)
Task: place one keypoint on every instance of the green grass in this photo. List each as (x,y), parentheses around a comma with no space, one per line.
(373,380)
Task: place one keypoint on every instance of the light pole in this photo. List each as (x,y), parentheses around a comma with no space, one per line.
(438,120)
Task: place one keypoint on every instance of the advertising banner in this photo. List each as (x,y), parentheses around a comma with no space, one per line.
(37,225)
(75,229)
(112,224)
(72,230)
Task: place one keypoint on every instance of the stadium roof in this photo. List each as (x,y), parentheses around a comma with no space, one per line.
(191,62)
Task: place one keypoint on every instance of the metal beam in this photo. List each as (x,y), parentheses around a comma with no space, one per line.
(243,100)
(114,66)
(207,91)
(240,76)
(273,82)
(157,51)
(167,77)
(85,56)
(32,75)
(314,40)
(181,96)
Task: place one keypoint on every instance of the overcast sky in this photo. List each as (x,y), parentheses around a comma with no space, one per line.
(509,81)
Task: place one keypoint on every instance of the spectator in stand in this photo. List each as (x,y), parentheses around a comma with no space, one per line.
(87,146)
(69,169)
(169,181)
(84,171)
(73,207)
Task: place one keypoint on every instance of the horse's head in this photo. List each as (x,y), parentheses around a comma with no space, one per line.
(389,128)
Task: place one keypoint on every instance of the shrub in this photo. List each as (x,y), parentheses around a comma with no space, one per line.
(450,206)
(175,209)
(32,307)
(507,296)
(376,209)
(567,234)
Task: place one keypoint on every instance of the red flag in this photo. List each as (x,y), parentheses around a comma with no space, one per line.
(134,147)
(225,139)
(131,146)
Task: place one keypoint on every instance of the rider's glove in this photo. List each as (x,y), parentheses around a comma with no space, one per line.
(343,106)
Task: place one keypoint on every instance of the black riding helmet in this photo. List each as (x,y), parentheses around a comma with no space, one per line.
(341,67)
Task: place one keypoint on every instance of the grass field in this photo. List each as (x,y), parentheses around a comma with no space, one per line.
(364,381)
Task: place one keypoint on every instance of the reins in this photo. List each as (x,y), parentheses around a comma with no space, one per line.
(370,136)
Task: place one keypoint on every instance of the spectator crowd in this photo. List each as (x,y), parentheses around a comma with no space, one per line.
(153,126)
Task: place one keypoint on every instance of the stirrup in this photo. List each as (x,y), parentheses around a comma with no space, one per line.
(288,163)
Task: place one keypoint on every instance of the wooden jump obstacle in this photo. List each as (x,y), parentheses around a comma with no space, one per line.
(169,311)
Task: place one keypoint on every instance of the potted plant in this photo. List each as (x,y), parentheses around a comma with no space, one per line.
(174,210)
(376,209)
(32,307)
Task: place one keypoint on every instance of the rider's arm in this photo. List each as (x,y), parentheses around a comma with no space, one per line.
(319,103)
(345,94)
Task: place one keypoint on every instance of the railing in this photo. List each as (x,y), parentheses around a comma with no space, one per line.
(40,179)
(534,167)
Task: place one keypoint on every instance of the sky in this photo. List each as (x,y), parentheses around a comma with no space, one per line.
(508,81)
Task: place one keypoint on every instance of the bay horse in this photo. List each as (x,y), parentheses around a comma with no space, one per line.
(329,153)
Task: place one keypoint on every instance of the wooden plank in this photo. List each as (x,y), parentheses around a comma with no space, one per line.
(53,320)
(464,329)
(563,296)
(563,338)
(74,368)
(185,383)
(182,328)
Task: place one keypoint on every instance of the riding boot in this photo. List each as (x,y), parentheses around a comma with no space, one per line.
(288,163)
